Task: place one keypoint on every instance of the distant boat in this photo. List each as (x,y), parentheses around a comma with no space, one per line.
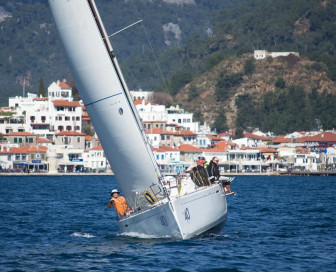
(157,209)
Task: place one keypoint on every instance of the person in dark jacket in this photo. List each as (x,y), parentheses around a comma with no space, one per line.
(199,174)
(214,175)
(213,170)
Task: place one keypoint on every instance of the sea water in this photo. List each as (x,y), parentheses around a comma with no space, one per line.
(63,224)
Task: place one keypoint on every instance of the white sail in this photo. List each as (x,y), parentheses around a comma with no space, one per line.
(105,95)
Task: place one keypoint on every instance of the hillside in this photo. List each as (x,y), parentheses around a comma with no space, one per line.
(30,48)
(191,39)
(219,88)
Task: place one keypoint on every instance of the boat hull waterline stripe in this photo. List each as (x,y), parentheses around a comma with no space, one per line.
(89,104)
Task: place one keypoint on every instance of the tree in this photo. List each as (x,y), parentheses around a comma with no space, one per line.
(220,123)
(41,91)
(239,133)
(162,98)
(249,66)
(280,83)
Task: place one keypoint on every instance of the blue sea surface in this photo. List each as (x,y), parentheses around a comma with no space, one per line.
(63,224)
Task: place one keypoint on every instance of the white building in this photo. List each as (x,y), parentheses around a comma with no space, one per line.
(175,115)
(306,160)
(95,160)
(142,95)
(262,54)
(149,112)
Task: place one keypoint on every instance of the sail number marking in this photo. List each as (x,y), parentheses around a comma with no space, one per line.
(186,214)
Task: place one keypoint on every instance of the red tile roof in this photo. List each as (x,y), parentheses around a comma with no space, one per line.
(165,149)
(42,140)
(66,103)
(64,85)
(139,102)
(21,133)
(267,150)
(281,139)
(159,131)
(70,133)
(214,138)
(326,136)
(186,147)
(98,147)
(221,146)
(28,149)
(88,138)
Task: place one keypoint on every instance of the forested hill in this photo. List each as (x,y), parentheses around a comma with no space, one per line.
(281,95)
(30,47)
(190,39)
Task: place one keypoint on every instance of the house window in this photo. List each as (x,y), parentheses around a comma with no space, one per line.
(67,118)
(9,158)
(15,140)
(78,139)
(24,157)
(68,128)
(162,157)
(30,140)
(17,157)
(43,118)
(32,119)
(162,137)
(59,118)
(77,128)
(60,128)
(77,118)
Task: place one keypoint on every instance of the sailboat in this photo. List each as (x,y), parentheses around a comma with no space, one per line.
(183,210)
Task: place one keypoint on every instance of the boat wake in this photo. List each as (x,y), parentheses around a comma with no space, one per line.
(84,235)
(143,236)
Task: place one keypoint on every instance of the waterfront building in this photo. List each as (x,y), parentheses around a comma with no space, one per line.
(20,138)
(70,138)
(305,160)
(95,160)
(24,159)
(190,153)
(252,140)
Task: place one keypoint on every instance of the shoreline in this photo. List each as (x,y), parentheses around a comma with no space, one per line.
(293,173)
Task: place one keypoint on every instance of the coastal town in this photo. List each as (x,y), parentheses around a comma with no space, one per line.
(54,135)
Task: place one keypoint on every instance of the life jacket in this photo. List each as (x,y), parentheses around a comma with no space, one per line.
(120,204)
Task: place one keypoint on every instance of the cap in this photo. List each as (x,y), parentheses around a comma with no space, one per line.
(202,158)
(115,191)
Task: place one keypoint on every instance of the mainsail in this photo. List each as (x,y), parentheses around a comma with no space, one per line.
(105,95)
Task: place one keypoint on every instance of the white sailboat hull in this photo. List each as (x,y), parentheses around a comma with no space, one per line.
(181,217)
(120,131)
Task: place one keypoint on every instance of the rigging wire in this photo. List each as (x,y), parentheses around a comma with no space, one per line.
(150,45)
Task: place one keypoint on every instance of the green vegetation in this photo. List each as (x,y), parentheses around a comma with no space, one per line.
(211,31)
(220,122)
(225,83)
(287,110)
(41,91)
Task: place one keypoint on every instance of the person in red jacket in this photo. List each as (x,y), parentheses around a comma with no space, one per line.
(119,203)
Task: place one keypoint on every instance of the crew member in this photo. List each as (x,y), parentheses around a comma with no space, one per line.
(119,203)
